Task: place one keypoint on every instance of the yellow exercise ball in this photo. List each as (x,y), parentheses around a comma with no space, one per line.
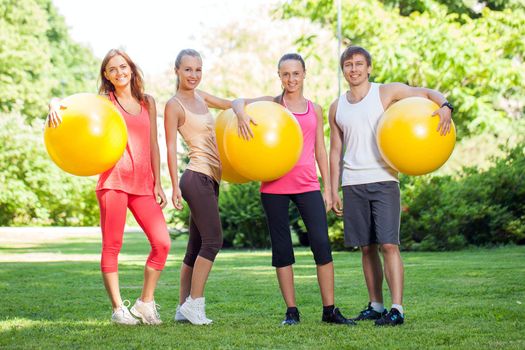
(276,145)
(228,172)
(408,139)
(91,138)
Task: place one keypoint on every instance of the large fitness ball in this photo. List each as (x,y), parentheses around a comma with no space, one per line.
(408,139)
(91,137)
(228,172)
(275,147)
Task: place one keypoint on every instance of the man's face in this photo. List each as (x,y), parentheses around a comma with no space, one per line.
(356,70)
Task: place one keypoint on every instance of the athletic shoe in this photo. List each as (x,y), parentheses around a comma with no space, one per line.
(179,317)
(291,318)
(393,318)
(123,316)
(369,314)
(336,317)
(147,312)
(194,311)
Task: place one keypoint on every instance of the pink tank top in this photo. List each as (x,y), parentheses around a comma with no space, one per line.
(303,176)
(132,173)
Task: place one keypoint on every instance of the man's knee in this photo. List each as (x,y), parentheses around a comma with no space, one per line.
(369,250)
(389,249)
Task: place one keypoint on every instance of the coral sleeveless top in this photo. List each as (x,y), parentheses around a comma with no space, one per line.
(198,131)
(362,161)
(132,173)
(303,176)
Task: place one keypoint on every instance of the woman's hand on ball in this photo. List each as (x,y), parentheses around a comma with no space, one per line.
(244,129)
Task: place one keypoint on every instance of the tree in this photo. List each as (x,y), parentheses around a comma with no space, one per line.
(38,59)
(478,62)
(34,191)
(472,8)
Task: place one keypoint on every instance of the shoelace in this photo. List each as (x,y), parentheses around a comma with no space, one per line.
(392,316)
(202,315)
(124,309)
(366,311)
(156,315)
(156,308)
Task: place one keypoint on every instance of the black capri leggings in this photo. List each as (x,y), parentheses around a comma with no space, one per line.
(312,210)
(202,194)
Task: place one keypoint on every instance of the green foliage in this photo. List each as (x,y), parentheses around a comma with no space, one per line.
(336,232)
(478,208)
(450,213)
(242,216)
(38,59)
(478,63)
(472,8)
(34,191)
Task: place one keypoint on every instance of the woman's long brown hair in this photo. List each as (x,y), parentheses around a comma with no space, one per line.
(137,81)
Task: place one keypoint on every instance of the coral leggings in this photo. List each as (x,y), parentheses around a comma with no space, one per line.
(113,207)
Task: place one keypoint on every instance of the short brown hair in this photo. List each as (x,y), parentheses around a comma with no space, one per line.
(355,50)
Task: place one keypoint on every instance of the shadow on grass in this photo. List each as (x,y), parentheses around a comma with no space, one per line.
(471,299)
(133,243)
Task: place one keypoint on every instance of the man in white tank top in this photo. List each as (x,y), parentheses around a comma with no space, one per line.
(370,187)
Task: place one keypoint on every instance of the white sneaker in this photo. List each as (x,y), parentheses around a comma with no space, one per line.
(193,310)
(179,317)
(147,312)
(123,316)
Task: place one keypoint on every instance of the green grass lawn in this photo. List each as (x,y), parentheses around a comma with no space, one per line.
(471,299)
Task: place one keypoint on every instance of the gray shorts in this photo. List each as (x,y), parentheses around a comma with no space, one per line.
(371,213)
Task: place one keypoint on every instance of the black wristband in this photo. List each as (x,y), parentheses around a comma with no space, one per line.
(449,105)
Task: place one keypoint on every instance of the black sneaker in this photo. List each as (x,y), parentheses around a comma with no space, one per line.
(291,318)
(370,314)
(336,317)
(393,318)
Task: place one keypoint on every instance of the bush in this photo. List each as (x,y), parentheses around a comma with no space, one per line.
(242,217)
(33,190)
(438,212)
(477,208)
(336,232)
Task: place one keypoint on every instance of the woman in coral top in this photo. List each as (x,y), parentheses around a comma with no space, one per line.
(187,112)
(302,187)
(134,183)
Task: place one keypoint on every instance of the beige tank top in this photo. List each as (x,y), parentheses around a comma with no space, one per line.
(198,131)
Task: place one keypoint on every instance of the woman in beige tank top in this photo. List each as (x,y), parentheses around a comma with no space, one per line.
(188,113)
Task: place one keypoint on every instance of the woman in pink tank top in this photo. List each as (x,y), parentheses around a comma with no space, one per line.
(187,112)
(134,183)
(301,186)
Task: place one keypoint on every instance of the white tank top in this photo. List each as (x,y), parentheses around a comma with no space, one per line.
(362,162)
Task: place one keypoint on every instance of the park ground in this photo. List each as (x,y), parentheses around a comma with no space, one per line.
(52,297)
